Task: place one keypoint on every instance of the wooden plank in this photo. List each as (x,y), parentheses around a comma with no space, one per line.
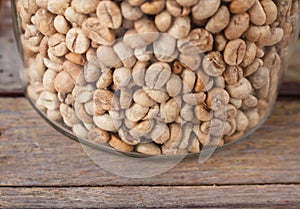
(34,154)
(248,196)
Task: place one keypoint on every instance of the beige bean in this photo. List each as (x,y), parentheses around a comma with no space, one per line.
(153,7)
(170,110)
(238,26)
(148,149)
(95,30)
(98,135)
(136,112)
(160,133)
(233,74)
(240,6)
(146,29)
(265,35)
(125,54)
(108,57)
(76,41)
(44,21)
(170,147)
(110,14)
(85,7)
(48,80)
(106,122)
(257,14)
(250,54)
(83,94)
(142,129)
(188,80)
(177,10)
(219,21)
(163,21)
(75,18)
(180,27)
(157,75)
(203,113)
(198,41)
(259,78)
(104,99)
(58,6)
(213,64)
(253,117)
(235,52)
(121,77)
(187,112)
(140,97)
(158,96)
(119,145)
(174,85)
(81,113)
(217,99)
(194,98)
(68,114)
(271,11)
(240,90)
(63,82)
(205,9)
(130,12)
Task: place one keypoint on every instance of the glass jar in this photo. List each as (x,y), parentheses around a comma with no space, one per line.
(158,77)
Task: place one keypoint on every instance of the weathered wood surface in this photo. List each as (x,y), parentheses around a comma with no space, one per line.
(248,196)
(34,154)
(41,168)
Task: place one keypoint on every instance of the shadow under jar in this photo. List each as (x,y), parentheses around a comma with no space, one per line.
(164,77)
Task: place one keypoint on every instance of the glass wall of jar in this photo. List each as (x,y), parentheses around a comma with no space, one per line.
(164,77)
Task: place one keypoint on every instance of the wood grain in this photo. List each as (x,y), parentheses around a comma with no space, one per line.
(34,154)
(248,196)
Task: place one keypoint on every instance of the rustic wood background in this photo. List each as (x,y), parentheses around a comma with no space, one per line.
(40,167)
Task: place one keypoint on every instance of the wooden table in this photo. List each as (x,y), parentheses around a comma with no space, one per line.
(40,167)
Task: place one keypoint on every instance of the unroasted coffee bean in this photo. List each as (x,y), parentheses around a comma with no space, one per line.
(148,149)
(257,14)
(265,35)
(174,86)
(235,52)
(76,41)
(180,27)
(198,41)
(238,26)
(98,135)
(219,21)
(94,29)
(205,9)
(217,99)
(177,10)
(259,78)
(213,64)
(104,99)
(110,14)
(157,75)
(163,21)
(85,7)
(240,90)
(170,110)
(153,7)
(240,6)
(233,74)
(119,145)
